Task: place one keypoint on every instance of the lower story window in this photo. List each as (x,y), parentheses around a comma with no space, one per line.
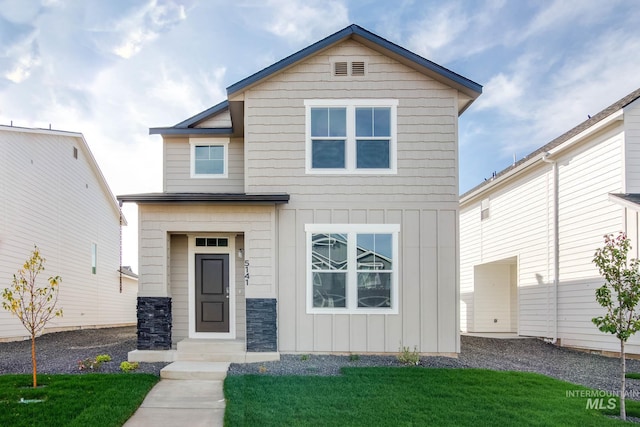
(352,267)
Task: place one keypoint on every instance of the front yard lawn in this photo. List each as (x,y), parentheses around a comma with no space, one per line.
(72,400)
(412,396)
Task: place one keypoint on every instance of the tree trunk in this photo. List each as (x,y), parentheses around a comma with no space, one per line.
(33,360)
(623,365)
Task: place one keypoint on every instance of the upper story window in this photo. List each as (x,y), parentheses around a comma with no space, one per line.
(484,209)
(209,158)
(356,136)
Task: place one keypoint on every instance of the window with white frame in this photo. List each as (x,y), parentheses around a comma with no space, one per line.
(209,157)
(352,268)
(351,136)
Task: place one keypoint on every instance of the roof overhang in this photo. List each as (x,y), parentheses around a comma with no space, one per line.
(628,200)
(204,198)
(189,132)
(374,42)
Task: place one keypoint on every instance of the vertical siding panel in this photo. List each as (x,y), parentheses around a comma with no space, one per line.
(358,333)
(394,323)
(376,333)
(304,322)
(341,327)
(323,327)
(429,278)
(447,273)
(288,297)
(411,278)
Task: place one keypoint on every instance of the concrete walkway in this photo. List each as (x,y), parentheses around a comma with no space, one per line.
(181,402)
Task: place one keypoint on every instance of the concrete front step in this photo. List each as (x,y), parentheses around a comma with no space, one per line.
(208,350)
(184,370)
(238,357)
(194,345)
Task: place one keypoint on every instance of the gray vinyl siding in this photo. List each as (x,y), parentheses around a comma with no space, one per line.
(50,199)
(427,131)
(177,169)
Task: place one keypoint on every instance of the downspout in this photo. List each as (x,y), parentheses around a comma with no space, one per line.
(556,245)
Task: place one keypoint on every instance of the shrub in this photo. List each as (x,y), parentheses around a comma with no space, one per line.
(408,357)
(129,366)
(93,364)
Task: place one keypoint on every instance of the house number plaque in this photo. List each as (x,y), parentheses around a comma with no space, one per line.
(246,272)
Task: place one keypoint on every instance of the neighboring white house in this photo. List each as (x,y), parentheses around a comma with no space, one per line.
(529,234)
(314,210)
(53,195)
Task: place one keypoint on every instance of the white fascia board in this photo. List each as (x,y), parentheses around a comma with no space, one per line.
(481,192)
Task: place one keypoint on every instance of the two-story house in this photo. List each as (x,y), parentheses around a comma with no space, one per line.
(53,195)
(314,210)
(528,236)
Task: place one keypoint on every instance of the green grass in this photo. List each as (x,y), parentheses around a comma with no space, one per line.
(72,400)
(410,396)
(633,375)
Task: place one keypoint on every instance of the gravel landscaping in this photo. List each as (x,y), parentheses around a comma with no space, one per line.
(529,355)
(60,352)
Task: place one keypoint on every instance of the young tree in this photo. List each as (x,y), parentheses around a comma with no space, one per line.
(619,296)
(33,305)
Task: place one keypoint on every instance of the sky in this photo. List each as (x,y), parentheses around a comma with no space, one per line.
(112,69)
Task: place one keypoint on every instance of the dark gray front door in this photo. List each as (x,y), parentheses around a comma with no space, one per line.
(212,293)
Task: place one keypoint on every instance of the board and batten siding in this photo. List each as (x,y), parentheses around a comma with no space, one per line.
(57,202)
(177,169)
(427,281)
(426,123)
(521,225)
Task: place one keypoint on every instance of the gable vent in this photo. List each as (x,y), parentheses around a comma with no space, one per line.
(357,68)
(340,69)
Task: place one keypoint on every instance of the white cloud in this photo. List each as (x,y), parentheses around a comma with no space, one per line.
(19,11)
(27,57)
(302,21)
(439,29)
(455,30)
(137,29)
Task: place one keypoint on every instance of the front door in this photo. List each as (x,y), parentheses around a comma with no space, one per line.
(212,293)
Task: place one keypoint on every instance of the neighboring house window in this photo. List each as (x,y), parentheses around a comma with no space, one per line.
(209,158)
(351,136)
(94,258)
(484,209)
(352,268)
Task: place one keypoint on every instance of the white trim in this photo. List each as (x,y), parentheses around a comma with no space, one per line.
(223,142)
(351,286)
(350,159)
(193,250)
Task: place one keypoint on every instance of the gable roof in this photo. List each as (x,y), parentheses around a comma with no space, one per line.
(374,42)
(361,35)
(565,137)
